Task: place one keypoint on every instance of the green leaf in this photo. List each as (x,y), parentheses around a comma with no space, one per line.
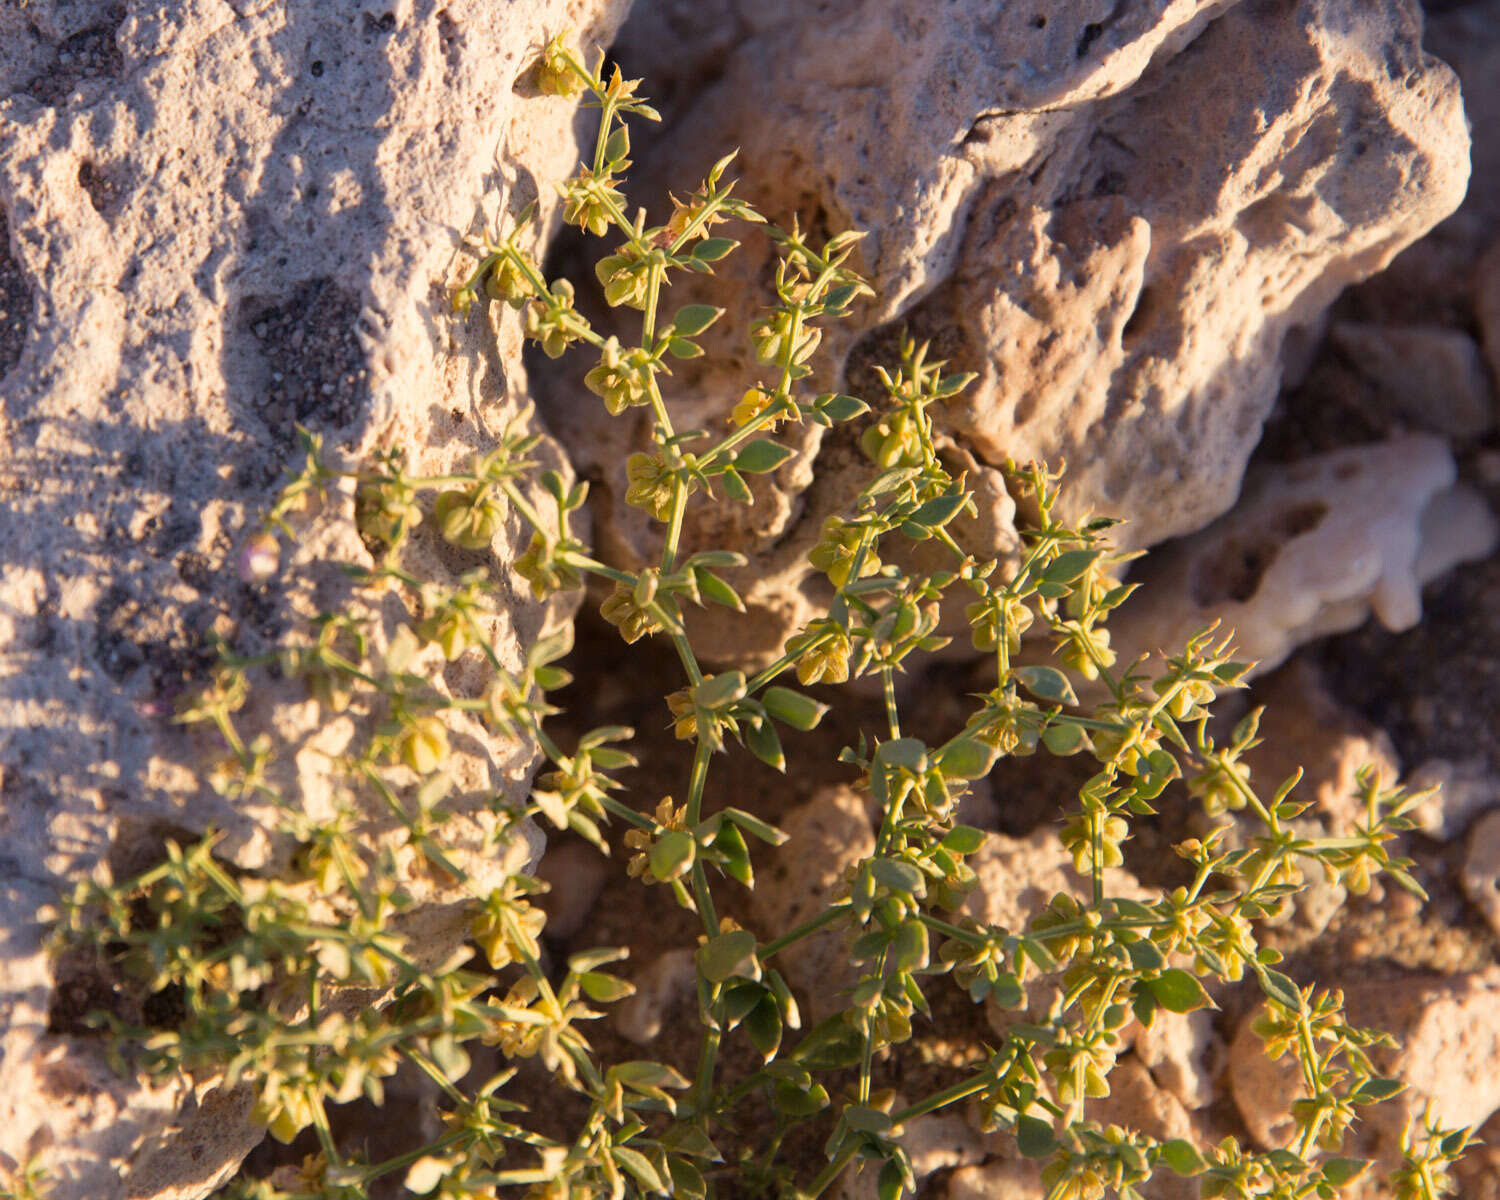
(898,876)
(672,854)
(841,408)
(1069,565)
(646,1074)
(754,826)
(1179,991)
(1034,1137)
(679,347)
(605,989)
(711,587)
(831,1045)
(1279,988)
(735,486)
(640,1166)
(1376,1089)
(799,1102)
(763,1024)
(1182,1156)
(618,145)
(712,249)
(864,1119)
(793,708)
(966,758)
(728,955)
(1065,737)
(1339,1171)
(1046,683)
(693,319)
(940,511)
(720,690)
(764,743)
(761,456)
(1144,955)
(963,839)
(730,842)
(908,753)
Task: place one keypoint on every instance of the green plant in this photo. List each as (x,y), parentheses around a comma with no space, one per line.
(271,974)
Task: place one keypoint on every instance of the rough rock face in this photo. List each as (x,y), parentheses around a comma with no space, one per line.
(217,220)
(1069,202)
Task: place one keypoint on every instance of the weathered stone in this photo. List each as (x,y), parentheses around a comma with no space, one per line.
(222,220)
(1312,548)
(1432,377)
(1480,876)
(825,837)
(1069,203)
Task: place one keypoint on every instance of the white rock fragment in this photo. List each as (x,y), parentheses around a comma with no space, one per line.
(1312,549)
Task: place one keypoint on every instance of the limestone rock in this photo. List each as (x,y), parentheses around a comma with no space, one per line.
(1448,1028)
(1430,376)
(1070,203)
(1303,725)
(219,220)
(825,836)
(668,981)
(1263,1087)
(1311,549)
(1178,1049)
(1465,789)
(999,1179)
(1480,876)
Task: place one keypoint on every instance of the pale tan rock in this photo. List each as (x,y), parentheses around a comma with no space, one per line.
(1464,790)
(222,219)
(1312,549)
(1480,876)
(1136,1102)
(1431,377)
(1178,1049)
(998,1179)
(1448,1029)
(1263,1087)
(825,837)
(1304,726)
(576,874)
(1072,205)
(668,981)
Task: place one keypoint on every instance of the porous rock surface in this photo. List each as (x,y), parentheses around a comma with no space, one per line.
(1312,548)
(1068,200)
(218,219)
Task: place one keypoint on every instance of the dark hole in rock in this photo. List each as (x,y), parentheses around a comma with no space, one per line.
(1139,320)
(15,303)
(1304,518)
(91,53)
(314,364)
(102,191)
(1091,34)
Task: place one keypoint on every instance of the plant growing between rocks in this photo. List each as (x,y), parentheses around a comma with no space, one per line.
(271,983)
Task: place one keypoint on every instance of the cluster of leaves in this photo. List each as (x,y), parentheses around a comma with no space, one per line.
(274,975)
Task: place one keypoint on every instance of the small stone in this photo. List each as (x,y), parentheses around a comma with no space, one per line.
(1480,876)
